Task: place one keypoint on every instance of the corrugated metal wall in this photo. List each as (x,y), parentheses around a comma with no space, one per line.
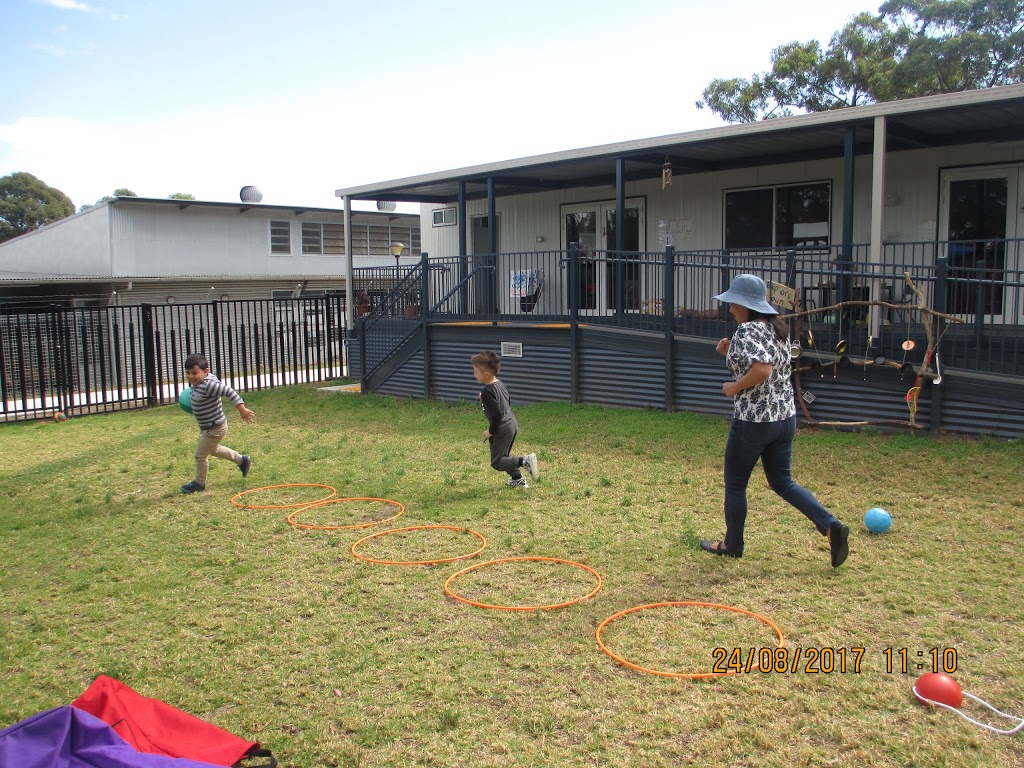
(542,374)
(969,401)
(624,369)
(407,381)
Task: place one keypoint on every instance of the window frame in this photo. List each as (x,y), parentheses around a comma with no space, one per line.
(781,194)
(445,219)
(274,248)
(322,238)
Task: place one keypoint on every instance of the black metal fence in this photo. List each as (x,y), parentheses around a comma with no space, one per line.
(93,360)
(978,284)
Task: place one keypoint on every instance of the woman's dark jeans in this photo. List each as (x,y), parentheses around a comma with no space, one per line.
(772,442)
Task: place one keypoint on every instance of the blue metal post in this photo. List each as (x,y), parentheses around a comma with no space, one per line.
(574,322)
(668,309)
(424,318)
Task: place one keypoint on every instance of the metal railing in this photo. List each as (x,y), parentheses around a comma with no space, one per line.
(101,359)
(979,284)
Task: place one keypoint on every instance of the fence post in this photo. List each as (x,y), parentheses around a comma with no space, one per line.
(217,363)
(723,273)
(149,354)
(791,268)
(574,323)
(424,317)
(361,330)
(668,310)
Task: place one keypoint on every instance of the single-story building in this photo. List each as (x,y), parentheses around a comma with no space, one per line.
(601,261)
(135,250)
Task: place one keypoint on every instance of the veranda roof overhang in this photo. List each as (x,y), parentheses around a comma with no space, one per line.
(993,115)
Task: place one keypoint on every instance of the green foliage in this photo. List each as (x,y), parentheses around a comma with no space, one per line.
(910,48)
(181,196)
(26,203)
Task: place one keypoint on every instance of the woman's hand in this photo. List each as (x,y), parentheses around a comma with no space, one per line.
(757,373)
(723,347)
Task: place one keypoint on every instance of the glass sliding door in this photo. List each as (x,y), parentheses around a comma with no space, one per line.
(608,280)
(980,213)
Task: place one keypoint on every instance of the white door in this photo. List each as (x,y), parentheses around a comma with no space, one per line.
(606,278)
(980,212)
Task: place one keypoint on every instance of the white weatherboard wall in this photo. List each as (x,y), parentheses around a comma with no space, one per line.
(695,201)
(78,245)
(165,241)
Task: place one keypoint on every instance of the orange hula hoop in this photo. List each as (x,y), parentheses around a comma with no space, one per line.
(324,503)
(237,496)
(480,536)
(681,675)
(448,591)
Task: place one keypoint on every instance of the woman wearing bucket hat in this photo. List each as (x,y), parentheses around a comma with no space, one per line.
(764,419)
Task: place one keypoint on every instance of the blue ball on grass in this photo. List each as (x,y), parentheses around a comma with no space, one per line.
(877,520)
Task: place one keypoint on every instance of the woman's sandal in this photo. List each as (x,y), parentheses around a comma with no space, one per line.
(718,548)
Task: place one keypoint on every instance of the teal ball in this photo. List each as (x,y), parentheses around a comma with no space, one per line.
(877,520)
(185,400)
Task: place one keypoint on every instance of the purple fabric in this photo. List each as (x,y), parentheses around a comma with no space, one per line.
(67,737)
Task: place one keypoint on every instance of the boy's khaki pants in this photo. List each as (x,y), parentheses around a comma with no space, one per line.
(209,445)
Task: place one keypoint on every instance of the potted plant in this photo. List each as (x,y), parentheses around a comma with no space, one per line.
(412,306)
(362,303)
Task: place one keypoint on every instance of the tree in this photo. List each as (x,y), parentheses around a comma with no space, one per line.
(122,192)
(181,196)
(26,203)
(910,48)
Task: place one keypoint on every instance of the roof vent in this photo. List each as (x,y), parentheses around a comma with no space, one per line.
(385,205)
(250,194)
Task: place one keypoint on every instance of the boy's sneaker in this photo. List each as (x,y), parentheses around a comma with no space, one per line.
(244,466)
(517,482)
(530,463)
(192,487)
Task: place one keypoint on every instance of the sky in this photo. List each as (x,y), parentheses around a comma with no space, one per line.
(301,98)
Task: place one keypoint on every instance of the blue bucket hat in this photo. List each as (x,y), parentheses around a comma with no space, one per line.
(748,291)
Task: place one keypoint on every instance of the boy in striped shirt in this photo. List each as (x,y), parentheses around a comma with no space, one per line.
(207,391)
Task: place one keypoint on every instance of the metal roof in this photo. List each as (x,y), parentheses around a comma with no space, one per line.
(295,210)
(988,115)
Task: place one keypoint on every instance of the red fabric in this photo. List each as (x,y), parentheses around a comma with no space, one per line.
(152,726)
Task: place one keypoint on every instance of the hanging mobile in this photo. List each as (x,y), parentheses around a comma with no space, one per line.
(840,345)
(907,345)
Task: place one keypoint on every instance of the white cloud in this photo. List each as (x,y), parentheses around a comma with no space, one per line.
(68,5)
(47,48)
(75,5)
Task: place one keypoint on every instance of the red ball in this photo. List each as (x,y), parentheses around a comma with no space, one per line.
(934,686)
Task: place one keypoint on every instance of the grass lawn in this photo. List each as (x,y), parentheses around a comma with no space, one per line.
(279,634)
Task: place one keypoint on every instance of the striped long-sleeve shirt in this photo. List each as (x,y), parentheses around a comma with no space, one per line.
(206,401)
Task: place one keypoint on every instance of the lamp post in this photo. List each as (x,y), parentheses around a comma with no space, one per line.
(396,251)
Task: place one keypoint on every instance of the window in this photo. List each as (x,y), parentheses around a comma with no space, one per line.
(327,239)
(376,239)
(445,217)
(797,214)
(280,237)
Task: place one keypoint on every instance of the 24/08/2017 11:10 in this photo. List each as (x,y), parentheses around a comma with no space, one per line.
(812,660)
(902,660)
